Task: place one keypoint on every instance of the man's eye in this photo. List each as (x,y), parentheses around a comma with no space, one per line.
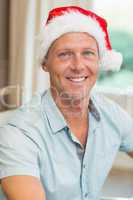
(64,54)
(88,53)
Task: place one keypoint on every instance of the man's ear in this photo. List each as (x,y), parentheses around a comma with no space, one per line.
(44,67)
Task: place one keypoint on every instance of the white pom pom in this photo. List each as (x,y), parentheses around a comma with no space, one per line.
(111,60)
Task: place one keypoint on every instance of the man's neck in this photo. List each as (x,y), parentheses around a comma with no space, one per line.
(75,112)
(72,108)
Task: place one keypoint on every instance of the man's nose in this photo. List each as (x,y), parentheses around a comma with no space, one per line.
(77,63)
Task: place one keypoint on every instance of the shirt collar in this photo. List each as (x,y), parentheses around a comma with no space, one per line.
(56,119)
(94,111)
(54,116)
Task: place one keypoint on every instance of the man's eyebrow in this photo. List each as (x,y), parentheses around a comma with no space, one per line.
(89,48)
(84,48)
(62,49)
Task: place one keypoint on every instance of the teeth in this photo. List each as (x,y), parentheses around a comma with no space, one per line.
(77,79)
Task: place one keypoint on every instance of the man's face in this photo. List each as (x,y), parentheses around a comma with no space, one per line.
(72,63)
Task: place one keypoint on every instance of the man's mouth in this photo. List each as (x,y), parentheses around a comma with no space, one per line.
(77,79)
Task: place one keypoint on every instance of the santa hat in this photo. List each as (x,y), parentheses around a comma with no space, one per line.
(75,19)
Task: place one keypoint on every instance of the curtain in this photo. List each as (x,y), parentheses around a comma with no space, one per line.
(23,23)
(3,46)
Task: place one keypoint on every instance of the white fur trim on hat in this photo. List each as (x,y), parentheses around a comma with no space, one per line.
(111,60)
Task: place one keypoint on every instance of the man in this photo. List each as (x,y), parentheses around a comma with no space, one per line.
(62,144)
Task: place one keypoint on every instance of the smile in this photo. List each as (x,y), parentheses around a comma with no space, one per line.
(77,79)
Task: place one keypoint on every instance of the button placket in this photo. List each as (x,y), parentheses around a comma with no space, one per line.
(86,189)
(84,185)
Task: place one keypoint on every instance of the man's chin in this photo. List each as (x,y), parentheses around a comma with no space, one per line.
(74,96)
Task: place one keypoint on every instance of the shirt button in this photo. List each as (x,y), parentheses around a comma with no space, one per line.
(86,195)
(84,166)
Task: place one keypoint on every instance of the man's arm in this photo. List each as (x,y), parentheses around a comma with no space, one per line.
(22,188)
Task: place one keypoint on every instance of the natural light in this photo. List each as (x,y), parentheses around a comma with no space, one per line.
(119,15)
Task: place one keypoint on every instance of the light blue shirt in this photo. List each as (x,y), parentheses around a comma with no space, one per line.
(38,142)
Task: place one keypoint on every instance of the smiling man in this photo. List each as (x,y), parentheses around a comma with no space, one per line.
(63,143)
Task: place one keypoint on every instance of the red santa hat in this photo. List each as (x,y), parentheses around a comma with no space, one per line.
(75,19)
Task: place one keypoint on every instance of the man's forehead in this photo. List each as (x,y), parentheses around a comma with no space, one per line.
(73,40)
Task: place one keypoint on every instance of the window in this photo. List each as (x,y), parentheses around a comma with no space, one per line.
(119,16)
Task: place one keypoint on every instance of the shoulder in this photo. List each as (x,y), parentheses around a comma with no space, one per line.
(29,113)
(106,104)
(27,122)
(112,113)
